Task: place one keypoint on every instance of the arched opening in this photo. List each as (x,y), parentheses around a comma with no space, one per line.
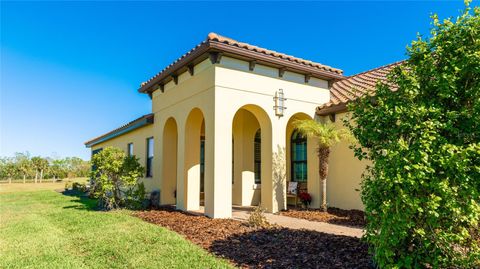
(251,165)
(194,166)
(302,161)
(169,176)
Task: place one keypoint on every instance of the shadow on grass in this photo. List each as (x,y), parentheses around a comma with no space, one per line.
(83,202)
(288,248)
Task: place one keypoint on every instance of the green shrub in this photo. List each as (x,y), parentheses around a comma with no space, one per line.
(81,187)
(422,191)
(115,179)
(135,197)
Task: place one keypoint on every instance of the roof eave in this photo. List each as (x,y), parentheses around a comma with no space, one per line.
(201,49)
(143,121)
(277,62)
(339,108)
(235,52)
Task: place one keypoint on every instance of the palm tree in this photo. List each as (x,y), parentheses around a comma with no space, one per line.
(327,135)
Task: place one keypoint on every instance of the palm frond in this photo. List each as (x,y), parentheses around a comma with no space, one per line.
(326,133)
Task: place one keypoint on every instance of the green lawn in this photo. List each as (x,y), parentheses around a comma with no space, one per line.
(45,229)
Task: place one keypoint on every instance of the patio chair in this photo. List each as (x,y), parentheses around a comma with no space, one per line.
(294,189)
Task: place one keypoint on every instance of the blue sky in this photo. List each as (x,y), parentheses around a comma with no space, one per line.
(70,70)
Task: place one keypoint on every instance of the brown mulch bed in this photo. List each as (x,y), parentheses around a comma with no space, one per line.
(353,218)
(275,247)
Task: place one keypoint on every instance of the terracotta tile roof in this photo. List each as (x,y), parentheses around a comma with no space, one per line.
(220,43)
(134,124)
(352,87)
(231,42)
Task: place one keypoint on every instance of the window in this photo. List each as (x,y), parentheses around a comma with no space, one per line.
(149,157)
(130,149)
(298,144)
(257,151)
(95,151)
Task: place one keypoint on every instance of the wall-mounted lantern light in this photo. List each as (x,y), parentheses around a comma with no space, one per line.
(279,100)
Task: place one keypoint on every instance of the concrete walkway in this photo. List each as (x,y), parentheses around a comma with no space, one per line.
(242,213)
(296,223)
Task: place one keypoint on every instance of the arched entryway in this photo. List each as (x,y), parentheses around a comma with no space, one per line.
(194,132)
(302,160)
(252,157)
(246,161)
(169,177)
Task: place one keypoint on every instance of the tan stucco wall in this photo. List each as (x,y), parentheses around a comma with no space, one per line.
(139,139)
(237,87)
(218,92)
(228,100)
(344,174)
(188,103)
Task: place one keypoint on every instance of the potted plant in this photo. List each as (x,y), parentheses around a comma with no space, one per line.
(305,198)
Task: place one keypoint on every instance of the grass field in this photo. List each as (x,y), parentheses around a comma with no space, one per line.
(46,229)
(45,185)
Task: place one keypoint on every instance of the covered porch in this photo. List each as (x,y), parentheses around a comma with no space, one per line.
(249,162)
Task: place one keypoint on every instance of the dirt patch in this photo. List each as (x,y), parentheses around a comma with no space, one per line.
(275,247)
(353,218)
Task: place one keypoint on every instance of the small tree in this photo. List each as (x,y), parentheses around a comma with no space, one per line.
(79,167)
(326,135)
(39,164)
(9,169)
(422,193)
(115,179)
(24,165)
(58,169)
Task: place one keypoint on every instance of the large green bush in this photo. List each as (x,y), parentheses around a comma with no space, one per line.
(421,130)
(116,179)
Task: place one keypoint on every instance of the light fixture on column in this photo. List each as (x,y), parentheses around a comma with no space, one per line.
(279,100)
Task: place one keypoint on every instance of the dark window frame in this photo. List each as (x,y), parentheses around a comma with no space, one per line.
(149,159)
(95,151)
(130,154)
(298,139)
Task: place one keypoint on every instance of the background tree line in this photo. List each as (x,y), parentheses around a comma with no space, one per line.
(23,166)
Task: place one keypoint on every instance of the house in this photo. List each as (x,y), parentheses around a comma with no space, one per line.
(222,110)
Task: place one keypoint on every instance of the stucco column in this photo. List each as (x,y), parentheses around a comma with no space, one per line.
(275,189)
(181,197)
(237,188)
(158,158)
(218,164)
(192,169)
(313,183)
